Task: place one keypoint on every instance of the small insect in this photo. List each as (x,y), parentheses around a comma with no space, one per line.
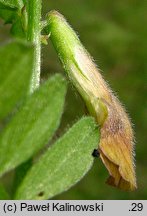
(95,153)
(41,193)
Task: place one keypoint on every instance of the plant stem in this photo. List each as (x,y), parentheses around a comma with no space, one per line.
(34,29)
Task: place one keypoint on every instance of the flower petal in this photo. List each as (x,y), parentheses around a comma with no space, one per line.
(116,147)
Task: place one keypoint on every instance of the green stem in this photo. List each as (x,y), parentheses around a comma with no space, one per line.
(34,30)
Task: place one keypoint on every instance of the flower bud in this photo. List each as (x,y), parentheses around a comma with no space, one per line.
(116,143)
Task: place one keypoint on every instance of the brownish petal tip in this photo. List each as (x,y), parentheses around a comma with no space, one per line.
(116,148)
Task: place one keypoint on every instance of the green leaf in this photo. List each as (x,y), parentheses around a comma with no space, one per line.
(17,29)
(16,69)
(33,125)
(63,165)
(7,13)
(15,13)
(3,194)
(12,3)
(10,9)
(20,173)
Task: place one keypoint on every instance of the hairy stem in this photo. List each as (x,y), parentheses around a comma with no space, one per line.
(34,29)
